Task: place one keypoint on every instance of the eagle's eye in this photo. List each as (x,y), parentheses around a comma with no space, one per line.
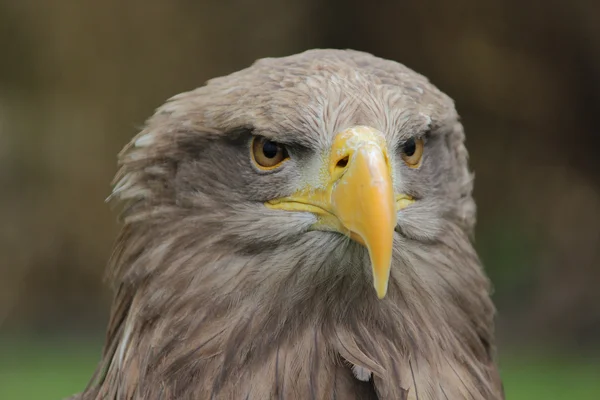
(412,151)
(267,154)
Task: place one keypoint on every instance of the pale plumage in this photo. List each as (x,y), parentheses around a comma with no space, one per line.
(218,296)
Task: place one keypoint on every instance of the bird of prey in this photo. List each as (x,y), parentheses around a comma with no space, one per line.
(300,229)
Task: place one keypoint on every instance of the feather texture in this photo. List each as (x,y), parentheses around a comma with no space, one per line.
(217,297)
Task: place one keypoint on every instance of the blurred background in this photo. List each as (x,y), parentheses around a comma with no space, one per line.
(78,79)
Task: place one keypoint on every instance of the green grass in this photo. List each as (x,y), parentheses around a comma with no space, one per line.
(31,370)
(550,377)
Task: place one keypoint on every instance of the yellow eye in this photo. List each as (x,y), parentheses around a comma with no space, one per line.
(412,152)
(267,154)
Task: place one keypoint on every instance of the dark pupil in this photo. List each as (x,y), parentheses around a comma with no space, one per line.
(409,147)
(270,149)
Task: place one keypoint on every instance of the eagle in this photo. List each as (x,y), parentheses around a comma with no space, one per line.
(299,229)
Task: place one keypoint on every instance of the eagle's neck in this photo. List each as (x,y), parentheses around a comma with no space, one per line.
(207,324)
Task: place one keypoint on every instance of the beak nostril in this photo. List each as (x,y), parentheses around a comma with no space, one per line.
(342,162)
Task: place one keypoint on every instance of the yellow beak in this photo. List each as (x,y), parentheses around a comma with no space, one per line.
(356,197)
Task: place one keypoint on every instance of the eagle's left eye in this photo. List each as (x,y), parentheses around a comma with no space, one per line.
(412,152)
(267,154)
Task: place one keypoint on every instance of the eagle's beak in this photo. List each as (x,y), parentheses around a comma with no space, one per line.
(356,197)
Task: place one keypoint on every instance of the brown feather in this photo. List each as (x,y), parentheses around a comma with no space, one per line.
(217,297)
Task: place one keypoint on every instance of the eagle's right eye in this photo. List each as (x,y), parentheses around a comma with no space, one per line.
(267,154)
